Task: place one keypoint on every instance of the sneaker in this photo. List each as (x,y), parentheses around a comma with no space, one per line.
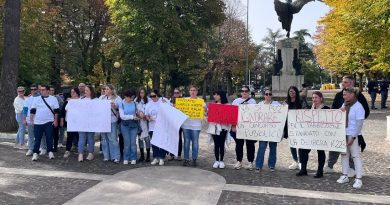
(29,152)
(328,170)
(250,166)
(67,154)
(51,155)
(116,161)
(170,158)
(343,179)
(43,152)
(238,165)
(61,145)
(105,160)
(179,158)
(221,165)
(161,163)
(272,169)
(154,162)
(258,170)
(22,147)
(351,172)
(216,165)
(81,157)
(358,184)
(294,165)
(125,162)
(186,163)
(133,162)
(90,157)
(16,146)
(35,157)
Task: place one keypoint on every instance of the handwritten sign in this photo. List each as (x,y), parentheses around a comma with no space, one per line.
(88,116)
(320,129)
(261,122)
(194,108)
(222,114)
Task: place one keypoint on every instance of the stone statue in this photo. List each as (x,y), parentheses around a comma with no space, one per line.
(297,63)
(285,11)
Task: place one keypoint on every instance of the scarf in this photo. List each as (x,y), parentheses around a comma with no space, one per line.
(348,105)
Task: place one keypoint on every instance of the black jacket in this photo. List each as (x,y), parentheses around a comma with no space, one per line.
(339,100)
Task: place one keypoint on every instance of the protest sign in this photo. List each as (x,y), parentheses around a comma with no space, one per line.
(320,129)
(222,114)
(194,108)
(88,116)
(166,131)
(261,122)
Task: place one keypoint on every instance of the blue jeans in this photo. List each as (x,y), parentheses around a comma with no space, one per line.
(110,145)
(30,129)
(89,138)
(373,98)
(129,142)
(191,136)
(21,129)
(157,151)
(384,95)
(271,156)
(39,130)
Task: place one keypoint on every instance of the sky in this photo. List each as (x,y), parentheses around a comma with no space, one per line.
(262,15)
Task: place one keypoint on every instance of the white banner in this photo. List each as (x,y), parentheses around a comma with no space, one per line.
(261,122)
(166,131)
(320,129)
(88,115)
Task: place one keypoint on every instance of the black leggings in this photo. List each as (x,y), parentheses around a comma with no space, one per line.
(70,139)
(219,145)
(304,157)
(250,148)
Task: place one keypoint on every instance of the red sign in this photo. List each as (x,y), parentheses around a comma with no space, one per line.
(223,114)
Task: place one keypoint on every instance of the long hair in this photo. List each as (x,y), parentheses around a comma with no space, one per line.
(145,98)
(222,93)
(297,102)
(112,88)
(319,95)
(93,94)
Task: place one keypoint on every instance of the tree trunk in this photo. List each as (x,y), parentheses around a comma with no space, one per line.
(10,64)
(156,80)
(55,75)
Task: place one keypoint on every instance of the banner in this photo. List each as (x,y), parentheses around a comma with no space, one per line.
(261,122)
(166,130)
(194,108)
(320,129)
(88,116)
(222,114)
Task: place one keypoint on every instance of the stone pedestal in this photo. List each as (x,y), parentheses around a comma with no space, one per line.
(283,82)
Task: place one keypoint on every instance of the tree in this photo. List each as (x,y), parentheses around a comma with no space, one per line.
(10,64)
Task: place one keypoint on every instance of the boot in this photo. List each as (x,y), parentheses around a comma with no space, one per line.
(147,155)
(142,158)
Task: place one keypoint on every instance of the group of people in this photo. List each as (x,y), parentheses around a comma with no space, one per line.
(134,118)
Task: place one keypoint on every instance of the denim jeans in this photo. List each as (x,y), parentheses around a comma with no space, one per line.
(130,142)
(39,130)
(271,156)
(191,136)
(21,129)
(110,145)
(384,95)
(88,137)
(373,98)
(30,129)
(157,151)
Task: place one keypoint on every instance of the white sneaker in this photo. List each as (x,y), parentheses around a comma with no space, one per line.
(351,172)
(43,152)
(67,154)
(29,153)
(221,165)
(250,166)
(328,170)
(238,165)
(133,162)
(35,157)
(358,184)
(294,165)
(51,155)
(154,162)
(61,145)
(343,179)
(216,165)
(161,163)
(125,161)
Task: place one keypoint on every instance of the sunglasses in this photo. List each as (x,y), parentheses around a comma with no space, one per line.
(153,96)
(245,91)
(268,94)
(33,89)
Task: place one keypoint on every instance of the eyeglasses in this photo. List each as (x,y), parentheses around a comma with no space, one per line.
(268,94)
(153,96)
(245,91)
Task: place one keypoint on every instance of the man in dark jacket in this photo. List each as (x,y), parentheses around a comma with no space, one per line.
(384,87)
(338,101)
(372,90)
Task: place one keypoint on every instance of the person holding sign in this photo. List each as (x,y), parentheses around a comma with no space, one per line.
(110,143)
(151,111)
(263,144)
(177,94)
(318,103)
(250,144)
(87,137)
(191,129)
(354,124)
(72,137)
(219,133)
(129,127)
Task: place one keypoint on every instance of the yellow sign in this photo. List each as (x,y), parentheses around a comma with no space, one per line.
(194,108)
